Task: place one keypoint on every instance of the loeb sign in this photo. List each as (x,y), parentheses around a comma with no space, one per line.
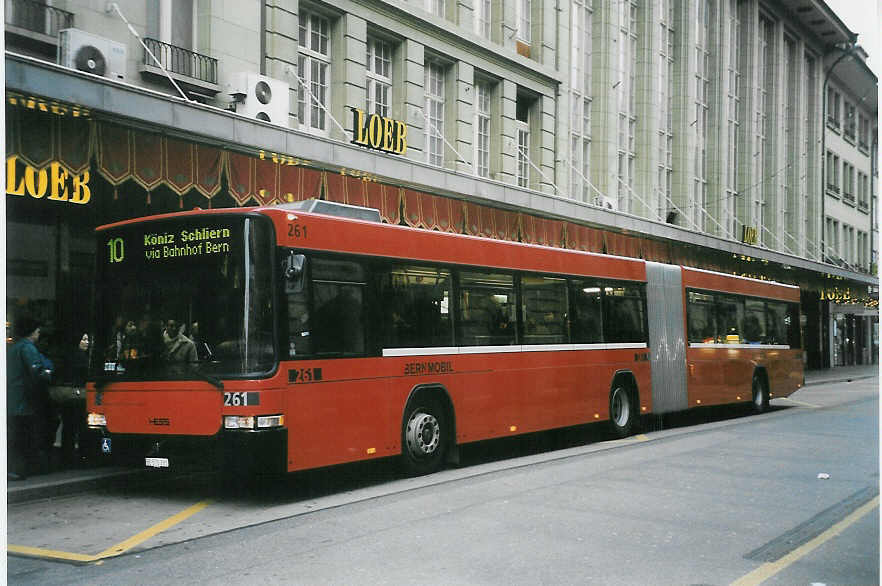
(378,132)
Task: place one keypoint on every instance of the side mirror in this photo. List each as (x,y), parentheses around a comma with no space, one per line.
(294,269)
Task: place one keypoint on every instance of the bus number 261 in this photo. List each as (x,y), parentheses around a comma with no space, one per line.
(296,231)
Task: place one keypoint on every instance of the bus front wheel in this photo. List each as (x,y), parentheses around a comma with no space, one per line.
(621,410)
(423,438)
(760,394)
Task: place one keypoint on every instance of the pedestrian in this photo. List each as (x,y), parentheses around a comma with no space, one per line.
(28,373)
(73,409)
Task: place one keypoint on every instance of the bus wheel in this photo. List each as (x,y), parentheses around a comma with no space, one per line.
(760,394)
(424,440)
(621,411)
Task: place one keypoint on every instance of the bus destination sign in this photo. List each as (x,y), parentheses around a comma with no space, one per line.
(189,242)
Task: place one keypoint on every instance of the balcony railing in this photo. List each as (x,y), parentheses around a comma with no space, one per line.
(182,61)
(37,17)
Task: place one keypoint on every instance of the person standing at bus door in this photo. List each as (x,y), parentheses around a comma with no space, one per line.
(28,373)
(73,413)
(178,347)
(203,351)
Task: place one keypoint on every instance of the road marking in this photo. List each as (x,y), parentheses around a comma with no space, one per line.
(767,570)
(112,551)
(641,437)
(37,552)
(143,536)
(801,403)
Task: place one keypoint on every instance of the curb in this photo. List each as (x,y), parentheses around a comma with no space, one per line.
(49,488)
(842,379)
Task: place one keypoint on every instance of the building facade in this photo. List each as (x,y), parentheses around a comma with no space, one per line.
(720,134)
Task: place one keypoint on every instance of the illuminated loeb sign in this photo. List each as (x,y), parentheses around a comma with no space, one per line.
(378,132)
(55,183)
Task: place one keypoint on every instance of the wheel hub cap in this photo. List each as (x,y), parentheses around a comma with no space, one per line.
(423,434)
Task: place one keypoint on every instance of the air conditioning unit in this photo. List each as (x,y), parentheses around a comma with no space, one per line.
(606,203)
(261,97)
(90,53)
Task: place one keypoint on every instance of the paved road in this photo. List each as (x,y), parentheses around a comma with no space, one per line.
(733,498)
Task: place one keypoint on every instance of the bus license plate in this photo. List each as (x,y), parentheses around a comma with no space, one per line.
(156,462)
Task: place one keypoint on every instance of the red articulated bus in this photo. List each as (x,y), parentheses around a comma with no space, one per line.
(307,335)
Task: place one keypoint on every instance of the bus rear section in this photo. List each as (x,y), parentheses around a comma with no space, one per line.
(719,339)
(185,341)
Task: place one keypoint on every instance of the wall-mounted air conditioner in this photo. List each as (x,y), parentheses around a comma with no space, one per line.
(84,51)
(261,97)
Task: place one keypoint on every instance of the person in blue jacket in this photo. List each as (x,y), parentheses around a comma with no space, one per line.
(28,373)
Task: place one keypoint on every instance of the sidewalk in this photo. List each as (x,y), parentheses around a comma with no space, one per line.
(840,374)
(81,480)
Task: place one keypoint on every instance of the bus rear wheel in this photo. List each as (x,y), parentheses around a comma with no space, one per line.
(424,438)
(760,394)
(621,411)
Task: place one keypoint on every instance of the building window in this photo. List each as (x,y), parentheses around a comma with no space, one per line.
(863,133)
(702,99)
(790,177)
(581,101)
(522,123)
(832,174)
(848,182)
(833,106)
(313,69)
(863,191)
(434,111)
(524,20)
(482,128)
(483,18)
(733,121)
(765,156)
(379,76)
(436,7)
(626,102)
(808,183)
(848,130)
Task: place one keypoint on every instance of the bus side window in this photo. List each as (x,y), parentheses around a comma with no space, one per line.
(792,326)
(730,317)
(585,311)
(338,288)
(299,342)
(624,317)
(754,322)
(776,322)
(487,309)
(414,307)
(545,310)
(700,318)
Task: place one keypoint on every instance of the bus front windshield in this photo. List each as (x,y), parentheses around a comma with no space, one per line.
(185,298)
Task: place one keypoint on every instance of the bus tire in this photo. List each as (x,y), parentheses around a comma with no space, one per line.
(622,412)
(425,436)
(760,393)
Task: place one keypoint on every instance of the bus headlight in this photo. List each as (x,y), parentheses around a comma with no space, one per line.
(96,420)
(238,422)
(249,421)
(270,421)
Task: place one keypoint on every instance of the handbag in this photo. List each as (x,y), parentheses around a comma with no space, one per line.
(66,394)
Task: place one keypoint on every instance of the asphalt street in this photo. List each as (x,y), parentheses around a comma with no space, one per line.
(717,497)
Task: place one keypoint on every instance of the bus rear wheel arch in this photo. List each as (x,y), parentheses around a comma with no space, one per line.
(624,405)
(427,431)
